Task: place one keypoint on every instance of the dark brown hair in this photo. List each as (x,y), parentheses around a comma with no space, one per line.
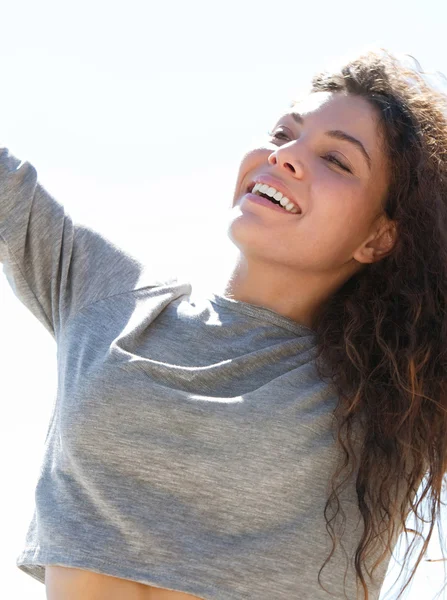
(382,337)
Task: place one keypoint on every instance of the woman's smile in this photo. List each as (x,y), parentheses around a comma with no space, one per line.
(270,204)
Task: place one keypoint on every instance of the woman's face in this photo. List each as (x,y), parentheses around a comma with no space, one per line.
(326,153)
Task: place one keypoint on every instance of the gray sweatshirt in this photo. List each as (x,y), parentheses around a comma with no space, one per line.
(191,441)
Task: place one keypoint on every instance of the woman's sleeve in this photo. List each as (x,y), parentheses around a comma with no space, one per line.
(54,266)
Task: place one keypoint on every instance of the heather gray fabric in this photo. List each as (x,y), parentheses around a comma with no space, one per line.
(191,441)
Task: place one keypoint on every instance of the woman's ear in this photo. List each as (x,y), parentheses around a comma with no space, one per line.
(379,244)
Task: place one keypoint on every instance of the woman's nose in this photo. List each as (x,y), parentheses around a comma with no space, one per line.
(286,159)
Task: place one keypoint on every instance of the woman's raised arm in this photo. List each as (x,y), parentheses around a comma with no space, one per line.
(55,267)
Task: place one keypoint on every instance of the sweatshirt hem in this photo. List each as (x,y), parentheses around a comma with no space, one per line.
(33,561)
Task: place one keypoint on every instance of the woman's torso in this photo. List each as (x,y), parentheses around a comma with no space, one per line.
(188,458)
(66,583)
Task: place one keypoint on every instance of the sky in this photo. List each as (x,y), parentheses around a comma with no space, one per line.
(136,116)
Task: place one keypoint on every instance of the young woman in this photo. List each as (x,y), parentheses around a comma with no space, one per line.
(265,440)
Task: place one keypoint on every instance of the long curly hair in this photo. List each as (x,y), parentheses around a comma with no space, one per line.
(382,337)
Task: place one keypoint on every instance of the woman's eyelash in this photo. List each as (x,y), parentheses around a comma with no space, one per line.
(329,157)
(277,133)
(332,158)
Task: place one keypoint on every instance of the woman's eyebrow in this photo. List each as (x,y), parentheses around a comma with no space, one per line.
(345,137)
(339,135)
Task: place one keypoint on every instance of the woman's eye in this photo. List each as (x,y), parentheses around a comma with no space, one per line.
(280,135)
(331,158)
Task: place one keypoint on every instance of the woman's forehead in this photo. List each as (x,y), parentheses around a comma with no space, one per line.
(311,102)
(344,108)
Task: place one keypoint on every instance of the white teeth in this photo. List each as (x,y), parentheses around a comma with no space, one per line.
(271,191)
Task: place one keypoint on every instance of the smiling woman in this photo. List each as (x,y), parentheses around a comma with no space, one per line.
(266,438)
(364,265)
(330,162)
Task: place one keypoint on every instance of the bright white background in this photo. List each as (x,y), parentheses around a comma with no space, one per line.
(136,115)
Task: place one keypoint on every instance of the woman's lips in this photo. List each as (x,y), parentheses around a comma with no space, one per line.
(268,204)
(278,185)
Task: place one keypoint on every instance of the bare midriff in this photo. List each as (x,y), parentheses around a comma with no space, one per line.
(67,583)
